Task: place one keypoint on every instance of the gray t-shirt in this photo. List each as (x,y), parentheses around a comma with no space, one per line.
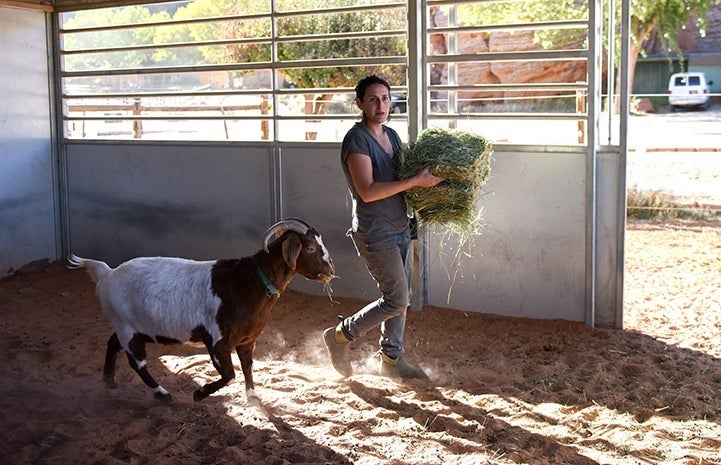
(381,217)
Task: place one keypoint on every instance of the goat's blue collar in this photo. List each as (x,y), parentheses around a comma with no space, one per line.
(269,288)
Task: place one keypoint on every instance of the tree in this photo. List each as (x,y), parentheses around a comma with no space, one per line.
(103,39)
(665,16)
(306,48)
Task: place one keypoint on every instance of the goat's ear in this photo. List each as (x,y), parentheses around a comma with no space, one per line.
(291,249)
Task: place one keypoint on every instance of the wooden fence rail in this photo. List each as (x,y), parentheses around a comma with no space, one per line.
(138,109)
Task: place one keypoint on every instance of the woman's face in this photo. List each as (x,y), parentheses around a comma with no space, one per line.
(376,104)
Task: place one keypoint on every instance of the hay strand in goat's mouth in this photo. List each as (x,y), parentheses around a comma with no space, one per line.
(461,158)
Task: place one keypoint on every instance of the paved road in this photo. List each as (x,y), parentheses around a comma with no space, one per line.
(690,130)
(677,153)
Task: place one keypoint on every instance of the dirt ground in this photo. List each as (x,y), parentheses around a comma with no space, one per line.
(502,390)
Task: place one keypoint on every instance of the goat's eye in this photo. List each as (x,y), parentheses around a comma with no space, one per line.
(310,249)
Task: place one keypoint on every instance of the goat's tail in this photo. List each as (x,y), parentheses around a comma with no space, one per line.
(96,269)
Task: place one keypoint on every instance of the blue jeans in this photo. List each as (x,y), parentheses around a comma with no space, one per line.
(389,260)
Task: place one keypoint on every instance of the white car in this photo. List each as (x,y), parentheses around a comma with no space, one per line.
(689,90)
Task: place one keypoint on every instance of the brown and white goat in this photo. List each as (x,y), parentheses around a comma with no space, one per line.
(224,303)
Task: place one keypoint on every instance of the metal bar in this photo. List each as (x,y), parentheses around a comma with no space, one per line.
(142,47)
(363,61)
(509,116)
(611,53)
(341,36)
(415,95)
(625,73)
(277,14)
(567,86)
(168,69)
(59,165)
(341,9)
(197,93)
(179,22)
(132,117)
(570,24)
(434,116)
(461,2)
(594,79)
(241,41)
(541,55)
(276,155)
(219,93)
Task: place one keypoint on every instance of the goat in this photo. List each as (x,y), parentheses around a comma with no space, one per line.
(223,303)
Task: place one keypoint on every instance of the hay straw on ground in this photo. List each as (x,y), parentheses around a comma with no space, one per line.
(463,159)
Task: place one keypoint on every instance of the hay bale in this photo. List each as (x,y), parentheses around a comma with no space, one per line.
(463,159)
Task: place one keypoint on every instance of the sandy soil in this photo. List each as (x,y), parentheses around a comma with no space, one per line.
(503,390)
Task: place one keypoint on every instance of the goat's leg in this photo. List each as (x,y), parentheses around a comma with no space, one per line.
(111,355)
(245,354)
(136,358)
(222,362)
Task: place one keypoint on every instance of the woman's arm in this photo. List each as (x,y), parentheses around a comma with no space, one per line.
(361,171)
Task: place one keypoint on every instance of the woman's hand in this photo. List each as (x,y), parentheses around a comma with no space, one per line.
(425,178)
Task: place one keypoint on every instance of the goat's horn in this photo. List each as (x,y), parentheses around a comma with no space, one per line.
(292,224)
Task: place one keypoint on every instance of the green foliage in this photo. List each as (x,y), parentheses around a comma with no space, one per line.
(104,39)
(499,13)
(247,29)
(196,32)
(646,15)
(304,26)
(300,25)
(667,17)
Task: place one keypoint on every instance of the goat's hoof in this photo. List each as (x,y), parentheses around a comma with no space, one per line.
(110,383)
(252,398)
(164,397)
(199,395)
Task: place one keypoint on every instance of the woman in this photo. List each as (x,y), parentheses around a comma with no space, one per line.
(380,231)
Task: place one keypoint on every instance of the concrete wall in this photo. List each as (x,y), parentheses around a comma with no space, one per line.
(27,208)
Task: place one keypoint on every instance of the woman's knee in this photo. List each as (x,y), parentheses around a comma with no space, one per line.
(396,304)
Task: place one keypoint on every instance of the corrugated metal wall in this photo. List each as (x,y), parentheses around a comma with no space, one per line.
(27,208)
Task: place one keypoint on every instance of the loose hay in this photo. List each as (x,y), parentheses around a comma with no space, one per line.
(461,158)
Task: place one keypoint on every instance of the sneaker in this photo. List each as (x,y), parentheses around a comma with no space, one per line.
(337,344)
(400,368)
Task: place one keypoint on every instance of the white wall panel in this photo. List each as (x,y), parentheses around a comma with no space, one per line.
(314,188)
(530,261)
(27,209)
(191,201)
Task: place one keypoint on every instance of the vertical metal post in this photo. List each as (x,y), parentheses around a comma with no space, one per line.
(610,78)
(137,123)
(276,166)
(581,110)
(417,120)
(625,92)
(594,100)
(57,147)
(452,66)
(417,74)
